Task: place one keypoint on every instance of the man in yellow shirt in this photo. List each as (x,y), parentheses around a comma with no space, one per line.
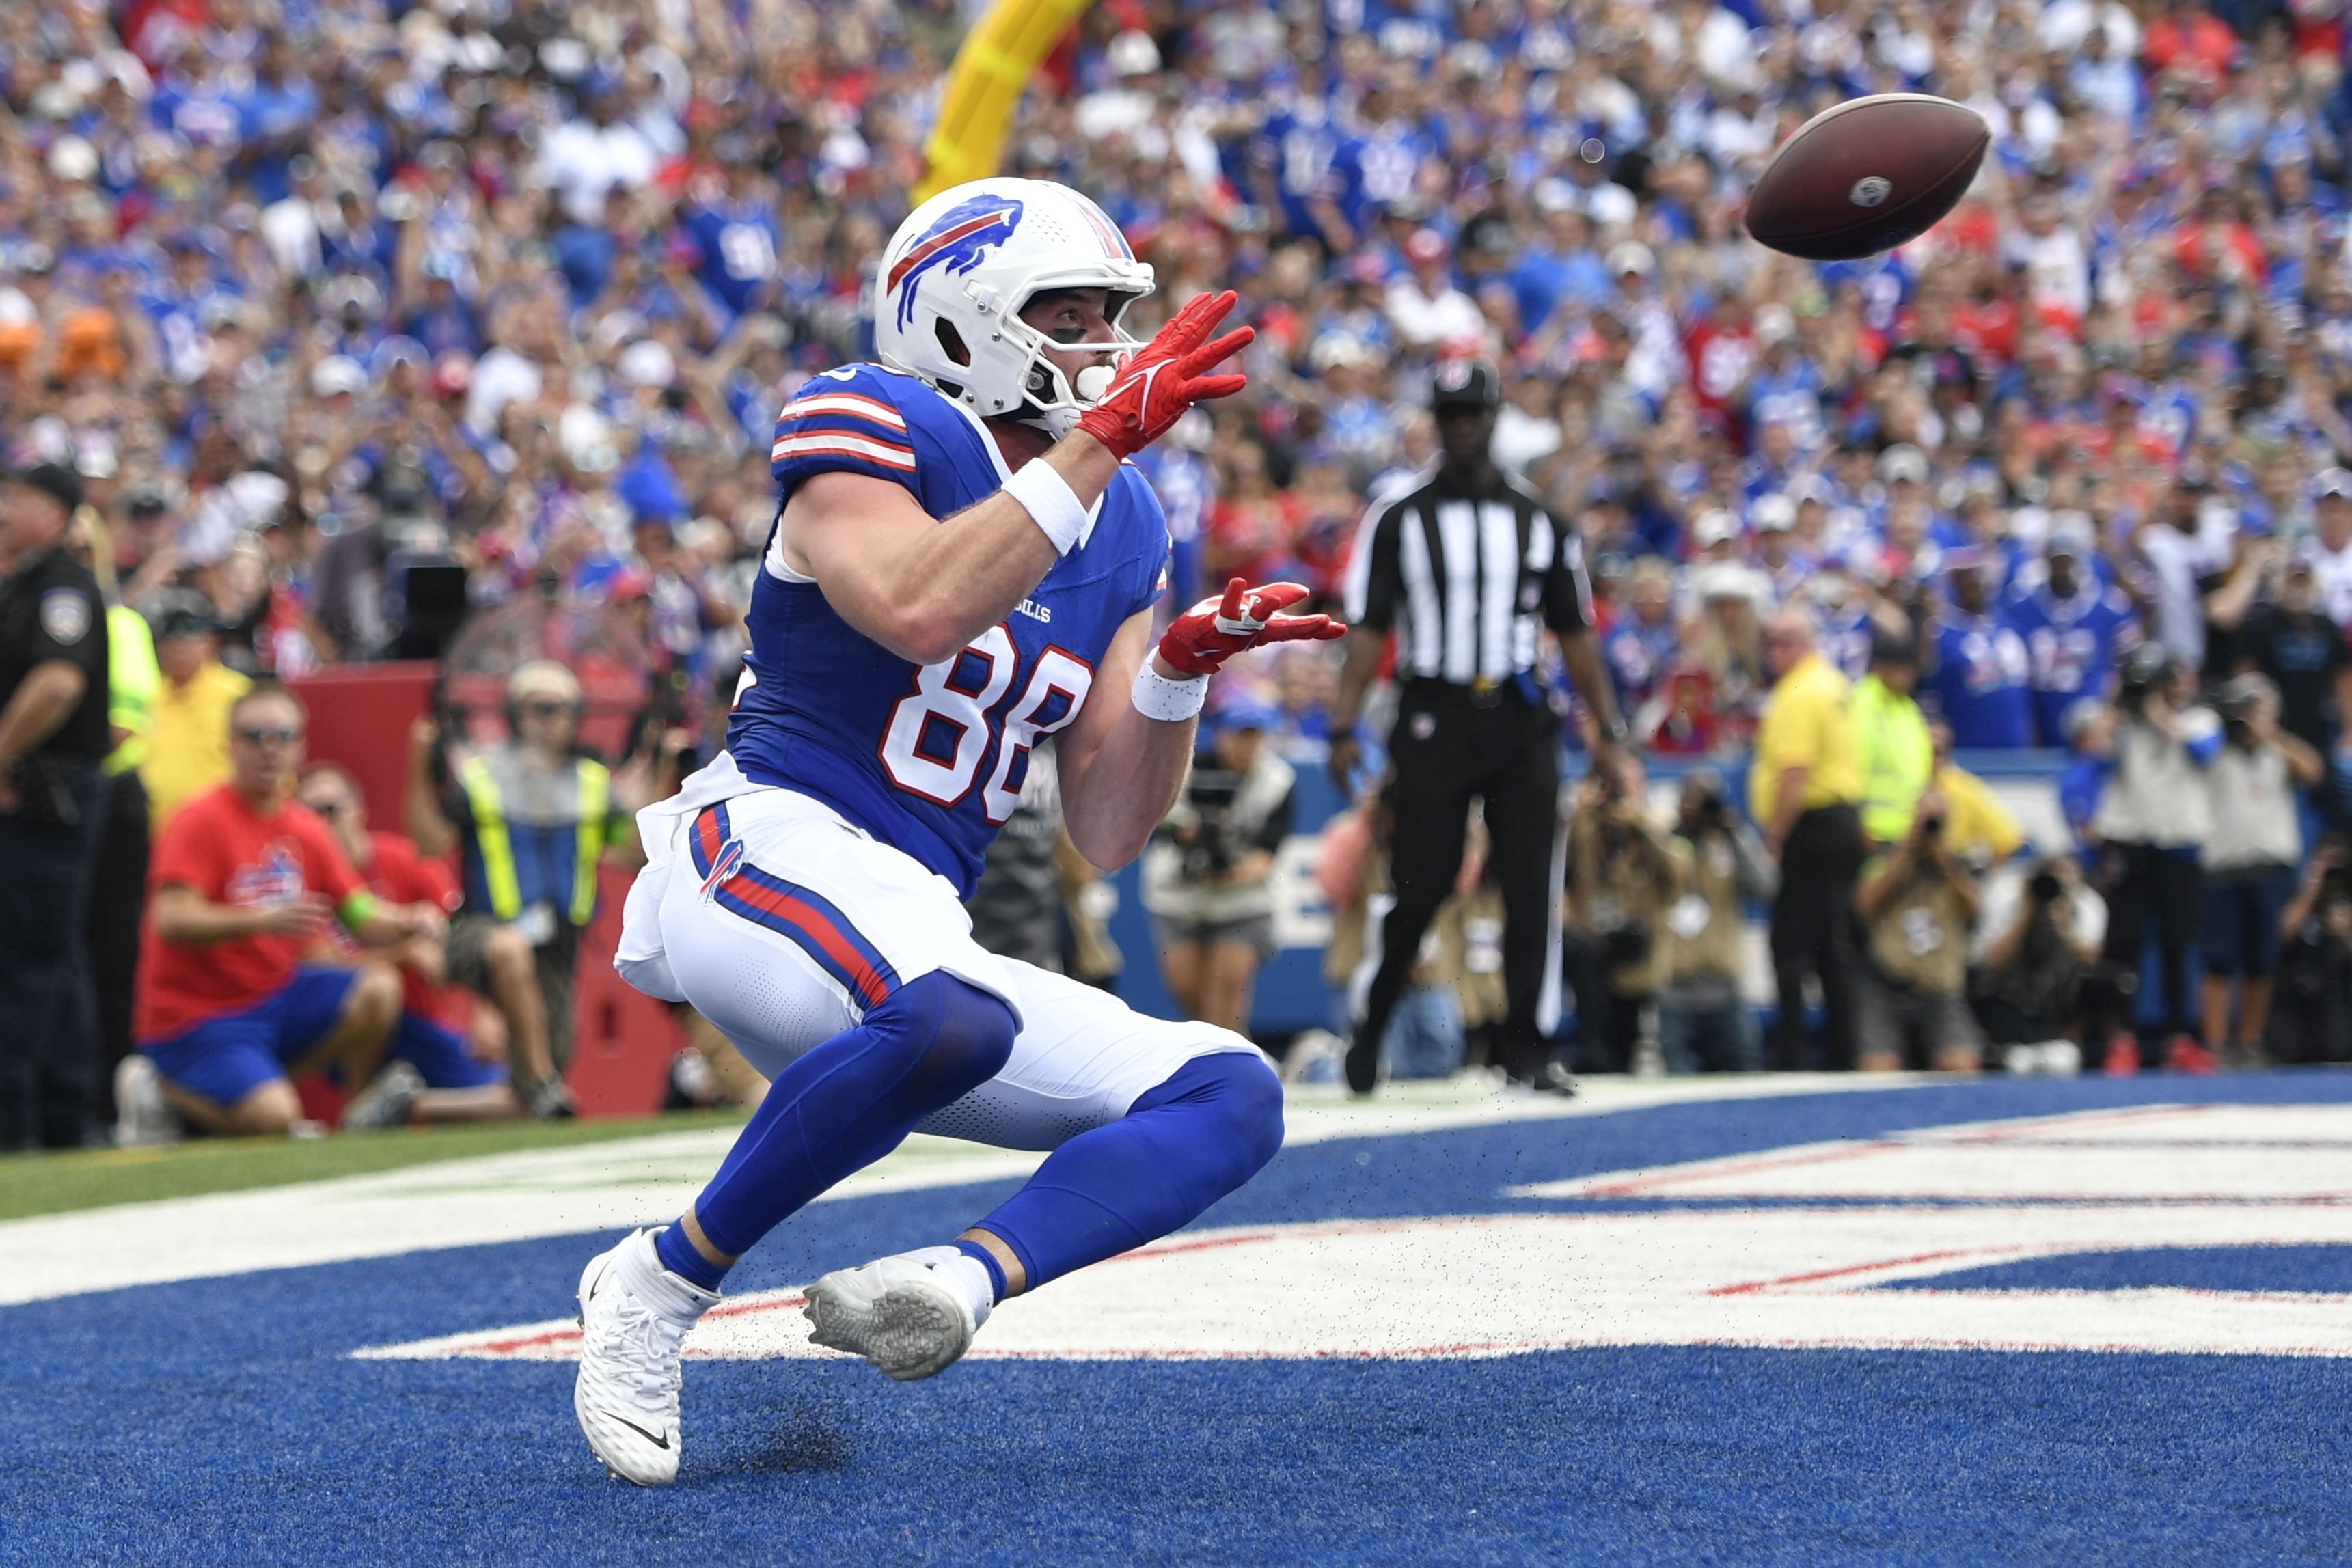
(1976,827)
(187,748)
(1803,781)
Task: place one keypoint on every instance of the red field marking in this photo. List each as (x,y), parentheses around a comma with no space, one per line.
(1819,1274)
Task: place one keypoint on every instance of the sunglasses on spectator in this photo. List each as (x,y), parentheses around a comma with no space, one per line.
(329,810)
(279,737)
(545,709)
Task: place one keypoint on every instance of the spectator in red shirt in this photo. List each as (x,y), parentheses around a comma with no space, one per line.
(2192,38)
(431,1029)
(1254,529)
(240,892)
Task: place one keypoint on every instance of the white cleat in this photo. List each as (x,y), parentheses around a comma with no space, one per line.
(634,1317)
(911,1314)
(142,1116)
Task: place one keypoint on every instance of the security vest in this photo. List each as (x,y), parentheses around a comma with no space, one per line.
(537,836)
(1898,757)
(132,682)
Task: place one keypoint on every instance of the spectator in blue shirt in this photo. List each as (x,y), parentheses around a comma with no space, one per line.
(1559,269)
(736,240)
(2089,727)
(2073,626)
(443,320)
(1641,646)
(272,121)
(1980,683)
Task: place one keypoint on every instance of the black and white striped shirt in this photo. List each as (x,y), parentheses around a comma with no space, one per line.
(1466,582)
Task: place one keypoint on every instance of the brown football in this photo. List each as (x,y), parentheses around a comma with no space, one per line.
(1866,176)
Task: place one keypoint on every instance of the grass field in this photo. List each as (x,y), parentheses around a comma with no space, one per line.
(93,1178)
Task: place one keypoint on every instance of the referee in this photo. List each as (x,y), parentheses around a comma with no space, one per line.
(1467,570)
(53,736)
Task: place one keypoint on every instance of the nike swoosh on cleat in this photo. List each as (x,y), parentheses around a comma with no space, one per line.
(660,1442)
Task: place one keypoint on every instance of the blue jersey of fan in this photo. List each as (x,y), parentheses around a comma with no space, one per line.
(928,758)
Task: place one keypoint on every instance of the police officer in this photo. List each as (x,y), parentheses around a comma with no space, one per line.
(53,737)
(117,897)
(1468,572)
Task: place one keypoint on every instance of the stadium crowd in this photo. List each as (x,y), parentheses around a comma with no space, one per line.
(341,327)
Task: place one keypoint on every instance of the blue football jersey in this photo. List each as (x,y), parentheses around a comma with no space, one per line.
(928,758)
(2073,645)
(1980,684)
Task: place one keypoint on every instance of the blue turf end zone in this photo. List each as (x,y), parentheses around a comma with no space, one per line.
(221,1421)
(2318,1268)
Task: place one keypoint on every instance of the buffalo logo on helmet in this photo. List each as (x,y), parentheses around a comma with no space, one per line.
(959,242)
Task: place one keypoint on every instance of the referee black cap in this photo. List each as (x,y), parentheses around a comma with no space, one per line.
(54,478)
(1466,383)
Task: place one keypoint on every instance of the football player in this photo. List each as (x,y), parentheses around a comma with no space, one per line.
(964,567)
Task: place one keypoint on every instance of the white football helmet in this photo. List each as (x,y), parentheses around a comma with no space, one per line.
(957,273)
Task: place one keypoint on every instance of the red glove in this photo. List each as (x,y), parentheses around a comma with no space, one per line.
(1214,630)
(1162,379)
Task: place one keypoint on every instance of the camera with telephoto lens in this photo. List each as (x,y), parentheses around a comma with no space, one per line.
(2144,670)
(2045,888)
(2239,702)
(1210,795)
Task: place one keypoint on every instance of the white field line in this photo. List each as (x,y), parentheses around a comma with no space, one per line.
(1484,1285)
(632,1181)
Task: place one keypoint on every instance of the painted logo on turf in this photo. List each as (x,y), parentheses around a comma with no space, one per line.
(1991,1236)
(959,241)
(1871,190)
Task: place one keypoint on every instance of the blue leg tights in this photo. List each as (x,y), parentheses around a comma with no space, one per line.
(1180,1149)
(842,1106)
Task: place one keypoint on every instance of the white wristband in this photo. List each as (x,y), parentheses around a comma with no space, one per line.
(1171,702)
(1052,504)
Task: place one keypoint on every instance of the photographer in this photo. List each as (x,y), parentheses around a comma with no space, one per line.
(1622,876)
(2152,824)
(2249,861)
(1916,902)
(2037,982)
(1702,1021)
(2311,1008)
(1208,878)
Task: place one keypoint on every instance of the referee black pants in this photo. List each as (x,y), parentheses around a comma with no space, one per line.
(1813,933)
(1444,752)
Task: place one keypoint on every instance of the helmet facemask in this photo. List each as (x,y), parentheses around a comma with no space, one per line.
(1054,399)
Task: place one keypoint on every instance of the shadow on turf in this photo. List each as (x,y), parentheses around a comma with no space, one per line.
(808,1434)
